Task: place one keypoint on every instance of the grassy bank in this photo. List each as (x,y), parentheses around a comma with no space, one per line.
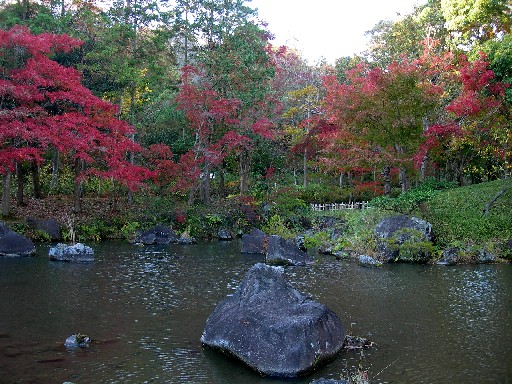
(477,215)
(457,215)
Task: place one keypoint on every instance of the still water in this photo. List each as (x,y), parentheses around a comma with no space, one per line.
(146,307)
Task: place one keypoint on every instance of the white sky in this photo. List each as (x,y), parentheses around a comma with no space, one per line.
(327,28)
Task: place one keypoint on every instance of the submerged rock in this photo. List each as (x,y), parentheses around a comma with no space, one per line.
(77,252)
(368,261)
(282,251)
(159,234)
(14,244)
(329,381)
(77,341)
(225,235)
(272,327)
(356,343)
(186,239)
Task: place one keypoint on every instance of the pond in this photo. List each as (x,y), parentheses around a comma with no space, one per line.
(145,308)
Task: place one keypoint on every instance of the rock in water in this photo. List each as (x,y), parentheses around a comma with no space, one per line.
(368,261)
(159,234)
(77,341)
(14,244)
(272,327)
(282,251)
(403,238)
(75,252)
(254,242)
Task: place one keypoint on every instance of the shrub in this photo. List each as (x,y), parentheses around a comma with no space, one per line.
(129,229)
(276,226)
(410,201)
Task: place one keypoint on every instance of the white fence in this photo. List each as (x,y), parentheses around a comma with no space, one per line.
(339,206)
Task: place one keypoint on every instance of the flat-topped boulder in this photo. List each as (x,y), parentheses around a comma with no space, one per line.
(272,327)
(282,251)
(254,242)
(14,244)
(75,253)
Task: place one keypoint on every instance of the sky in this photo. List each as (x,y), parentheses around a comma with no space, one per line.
(327,28)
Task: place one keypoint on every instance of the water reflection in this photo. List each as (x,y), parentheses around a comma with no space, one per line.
(146,307)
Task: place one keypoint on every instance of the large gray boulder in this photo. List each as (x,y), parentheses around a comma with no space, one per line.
(75,253)
(282,251)
(254,242)
(272,327)
(14,244)
(404,238)
(389,227)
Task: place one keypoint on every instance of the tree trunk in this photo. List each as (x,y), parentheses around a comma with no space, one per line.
(34,169)
(493,200)
(423,168)
(386,177)
(6,193)
(403,179)
(222,182)
(191,196)
(20,181)
(245,168)
(77,193)
(205,185)
(305,167)
(458,173)
(55,170)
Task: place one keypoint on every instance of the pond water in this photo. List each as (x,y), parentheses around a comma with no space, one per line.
(145,308)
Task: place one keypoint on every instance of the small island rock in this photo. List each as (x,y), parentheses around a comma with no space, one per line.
(76,253)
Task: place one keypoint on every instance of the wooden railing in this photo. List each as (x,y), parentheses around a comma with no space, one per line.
(339,206)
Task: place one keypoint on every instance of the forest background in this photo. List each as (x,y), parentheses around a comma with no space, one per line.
(126,114)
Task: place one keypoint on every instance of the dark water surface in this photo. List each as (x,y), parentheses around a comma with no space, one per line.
(146,309)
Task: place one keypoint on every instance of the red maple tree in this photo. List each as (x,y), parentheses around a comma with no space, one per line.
(44,107)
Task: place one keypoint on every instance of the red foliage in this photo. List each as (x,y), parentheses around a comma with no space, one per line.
(369,188)
(477,117)
(43,105)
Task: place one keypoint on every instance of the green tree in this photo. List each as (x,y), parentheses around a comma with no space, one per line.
(471,21)
(241,68)
(386,108)
(395,40)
